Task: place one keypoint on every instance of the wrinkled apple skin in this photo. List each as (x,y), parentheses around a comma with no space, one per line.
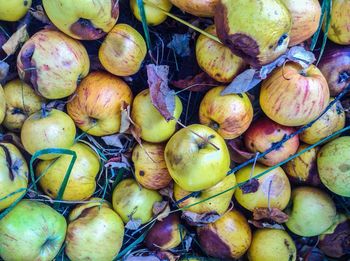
(21,102)
(83,19)
(193,163)
(13,10)
(312,212)
(263,134)
(55,130)
(272,245)
(2,104)
(131,201)
(201,8)
(338,30)
(81,184)
(31,231)
(150,167)
(153,15)
(52,63)
(228,237)
(123,50)
(279,192)
(333,162)
(293,96)
(96,109)
(154,128)
(95,232)
(12,176)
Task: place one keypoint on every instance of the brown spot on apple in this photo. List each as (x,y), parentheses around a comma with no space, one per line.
(86,30)
(213,244)
(142,173)
(344,167)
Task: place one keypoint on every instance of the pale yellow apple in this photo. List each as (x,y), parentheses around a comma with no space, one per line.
(13,10)
(2,104)
(154,16)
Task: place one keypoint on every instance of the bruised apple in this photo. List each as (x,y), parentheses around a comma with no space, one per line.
(201,8)
(52,63)
(83,19)
(96,108)
(338,31)
(13,10)
(154,16)
(293,96)
(123,50)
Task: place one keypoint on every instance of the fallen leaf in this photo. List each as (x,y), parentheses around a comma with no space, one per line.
(195,219)
(239,153)
(168,191)
(251,186)
(19,37)
(299,55)
(125,118)
(161,210)
(115,140)
(116,165)
(243,82)
(4,70)
(198,83)
(180,43)
(142,258)
(133,224)
(188,242)
(273,214)
(39,14)
(260,224)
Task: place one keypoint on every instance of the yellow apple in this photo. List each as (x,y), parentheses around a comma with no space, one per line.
(154,16)
(2,104)
(13,10)
(338,31)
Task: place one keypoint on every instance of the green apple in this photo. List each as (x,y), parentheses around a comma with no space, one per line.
(31,231)
(13,10)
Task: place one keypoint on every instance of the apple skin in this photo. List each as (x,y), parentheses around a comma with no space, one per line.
(154,128)
(338,31)
(228,237)
(312,212)
(279,193)
(81,184)
(123,50)
(229,115)
(193,163)
(153,15)
(54,130)
(52,63)
(14,179)
(21,102)
(130,200)
(201,8)
(2,104)
(150,167)
(83,19)
(12,11)
(31,231)
(272,245)
(263,134)
(96,109)
(95,232)
(217,204)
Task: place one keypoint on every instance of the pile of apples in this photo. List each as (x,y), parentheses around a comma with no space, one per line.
(181,186)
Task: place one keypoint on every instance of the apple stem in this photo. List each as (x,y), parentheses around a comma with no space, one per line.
(254,163)
(268,196)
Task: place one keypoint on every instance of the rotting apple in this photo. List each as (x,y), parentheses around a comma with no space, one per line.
(197,157)
(31,231)
(96,108)
(2,104)
(216,59)
(83,19)
(122,51)
(47,129)
(293,96)
(154,16)
(52,63)
(150,167)
(333,163)
(265,133)
(133,202)
(81,184)
(330,122)
(228,237)
(201,8)
(271,190)
(14,10)
(13,174)
(272,245)
(154,127)
(338,30)
(311,212)
(21,102)
(95,231)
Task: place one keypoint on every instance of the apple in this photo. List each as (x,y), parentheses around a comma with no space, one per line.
(13,174)
(95,231)
(216,59)
(154,128)
(293,96)
(13,10)
(202,8)
(83,19)
(333,162)
(218,204)
(265,133)
(2,104)
(133,202)
(338,31)
(21,102)
(81,184)
(96,109)
(122,51)
(228,237)
(311,212)
(229,115)
(273,188)
(272,245)
(31,231)
(4,36)
(150,167)
(197,157)
(52,63)
(330,122)
(47,129)
(154,16)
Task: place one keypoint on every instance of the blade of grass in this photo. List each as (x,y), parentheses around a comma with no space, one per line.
(132,245)
(317,34)
(327,24)
(144,23)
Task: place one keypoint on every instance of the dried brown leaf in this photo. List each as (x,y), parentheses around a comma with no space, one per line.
(270,214)
(19,37)
(39,14)
(125,118)
(133,224)
(161,210)
(197,83)
(251,186)
(261,224)
(168,191)
(195,219)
